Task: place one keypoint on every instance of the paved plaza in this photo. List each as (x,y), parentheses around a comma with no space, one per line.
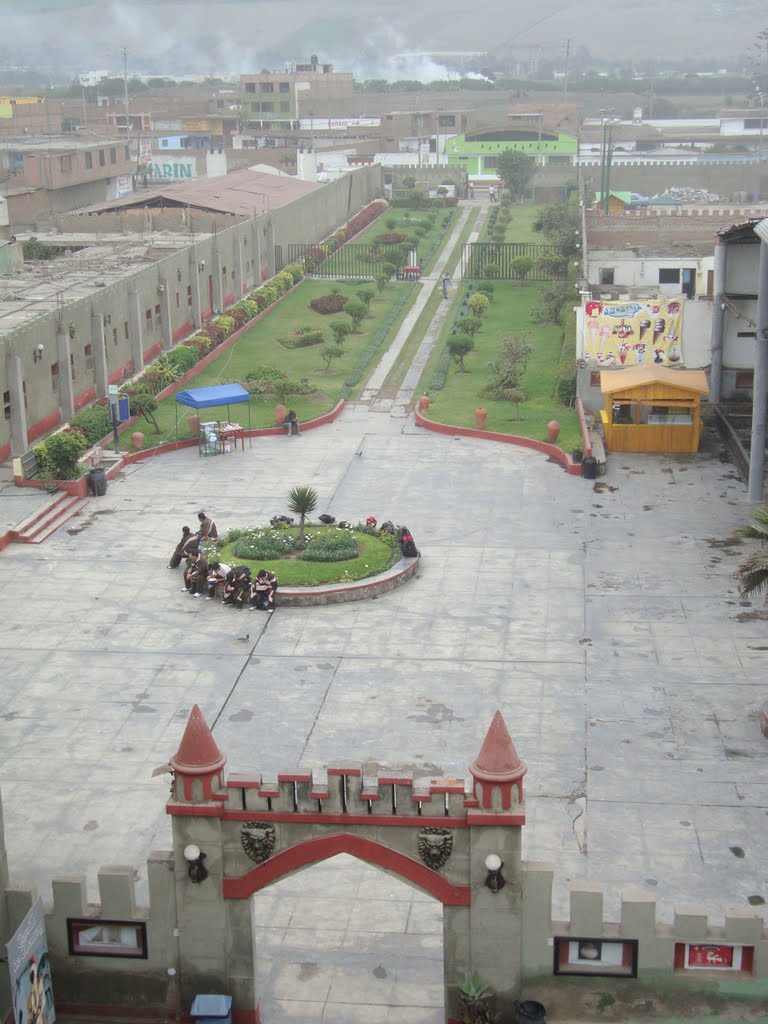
(600,617)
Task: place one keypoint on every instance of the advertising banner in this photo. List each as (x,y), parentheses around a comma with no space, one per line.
(634,333)
(30,971)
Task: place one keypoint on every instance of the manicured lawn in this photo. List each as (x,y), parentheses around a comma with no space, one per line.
(259,346)
(375,555)
(456,402)
(520,227)
(406,220)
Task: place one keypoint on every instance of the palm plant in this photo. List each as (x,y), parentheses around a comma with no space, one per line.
(752,573)
(302,501)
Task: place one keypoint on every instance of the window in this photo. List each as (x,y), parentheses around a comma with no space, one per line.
(72,364)
(177,300)
(250,87)
(446,120)
(285,87)
(113,155)
(163,143)
(148,317)
(65,164)
(266,108)
(127,153)
(267,87)
(669,275)
(712,956)
(284,107)
(594,378)
(94,937)
(88,161)
(745,380)
(746,334)
(88,353)
(125,328)
(224,273)
(55,377)
(157,312)
(114,336)
(606,275)
(102,158)
(490,162)
(189,294)
(596,957)
(7,404)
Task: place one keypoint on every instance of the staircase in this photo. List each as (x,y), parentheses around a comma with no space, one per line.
(39,526)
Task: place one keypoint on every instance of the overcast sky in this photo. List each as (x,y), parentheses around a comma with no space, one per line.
(244,35)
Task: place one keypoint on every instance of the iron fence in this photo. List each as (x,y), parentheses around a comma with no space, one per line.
(512,261)
(353,260)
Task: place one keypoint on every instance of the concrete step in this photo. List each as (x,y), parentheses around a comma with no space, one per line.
(56,514)
(54,502)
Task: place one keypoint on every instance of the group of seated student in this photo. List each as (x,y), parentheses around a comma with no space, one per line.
(191,543)
(241,590)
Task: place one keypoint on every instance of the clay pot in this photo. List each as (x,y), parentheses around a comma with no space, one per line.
(137,440)
(280,413)
(481,415)
(423,403)
(193,422)
(553,430)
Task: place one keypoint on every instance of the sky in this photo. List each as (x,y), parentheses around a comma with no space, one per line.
(235,36)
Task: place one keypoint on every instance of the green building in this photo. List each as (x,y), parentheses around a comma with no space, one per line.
(477,152)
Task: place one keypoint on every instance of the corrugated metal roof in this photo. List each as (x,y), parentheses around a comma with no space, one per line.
(243,193)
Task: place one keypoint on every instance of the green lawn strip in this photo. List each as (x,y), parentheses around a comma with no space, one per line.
(455,256)
(374,556)
(430,244)
(456,402)
(258,346)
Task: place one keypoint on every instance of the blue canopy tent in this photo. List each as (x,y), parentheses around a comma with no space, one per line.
(208,398)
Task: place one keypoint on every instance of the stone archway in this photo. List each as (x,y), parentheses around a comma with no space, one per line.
(433,834)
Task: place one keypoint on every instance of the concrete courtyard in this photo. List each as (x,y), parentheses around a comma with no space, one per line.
(601,618)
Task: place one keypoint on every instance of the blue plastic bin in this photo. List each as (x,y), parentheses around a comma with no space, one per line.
(212,1010)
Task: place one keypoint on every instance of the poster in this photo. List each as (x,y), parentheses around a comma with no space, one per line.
(30,971)
(638,333)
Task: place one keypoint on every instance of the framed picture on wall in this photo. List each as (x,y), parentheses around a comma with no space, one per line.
(614,958)
(89,937)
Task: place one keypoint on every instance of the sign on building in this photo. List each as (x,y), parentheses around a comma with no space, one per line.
(30,970)
(164,169)
(634,333)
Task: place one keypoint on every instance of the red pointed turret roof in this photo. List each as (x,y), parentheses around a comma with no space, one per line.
(197,753)
(498,760)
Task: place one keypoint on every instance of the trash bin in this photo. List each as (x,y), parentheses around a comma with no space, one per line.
(589,468)
(212,1010)
(527,1011)
(97,481)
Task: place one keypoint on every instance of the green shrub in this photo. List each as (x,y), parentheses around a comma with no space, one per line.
(330,546)
(34,249)
(57,456)
(182,358)
(94,422)
(491,270)
(479,303)
(485,288)
(303,338)
(261,544)
(356,310)
(295,270)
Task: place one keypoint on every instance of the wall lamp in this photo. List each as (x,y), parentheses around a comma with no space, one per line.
(37,353)
(493,865)
(72,330)
(201,266)
(194,857)
(178,274)
(161,289)
(107,319)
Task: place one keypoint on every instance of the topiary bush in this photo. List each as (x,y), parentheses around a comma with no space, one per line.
(331,545)
(303,338)
(328,304)
(93,422)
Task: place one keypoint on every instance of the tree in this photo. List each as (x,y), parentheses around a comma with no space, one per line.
(507,371)
(302,501)
(356,311)
(340,330)
(521,266)
(515,170)
(460,345)
(144,404)
(752,573)
(330,352)
(366,295)
(479,303)
(469,325)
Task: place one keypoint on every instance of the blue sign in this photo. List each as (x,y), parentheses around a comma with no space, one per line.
(30,971)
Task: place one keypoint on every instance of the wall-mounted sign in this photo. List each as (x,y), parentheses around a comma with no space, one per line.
(30,970)
(164,169)
(713,956)
(601,957)
(633,333)
(89,937)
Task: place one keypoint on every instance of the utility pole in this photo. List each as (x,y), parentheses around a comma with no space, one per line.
(565,82)
(124,50)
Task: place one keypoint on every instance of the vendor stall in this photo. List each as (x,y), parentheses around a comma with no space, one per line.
(216,437)
(652,408)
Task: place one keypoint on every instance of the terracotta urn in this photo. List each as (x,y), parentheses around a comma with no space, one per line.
(137,440)
(553,430)
(193,422)
(423,403)
(481,415)
(280,413)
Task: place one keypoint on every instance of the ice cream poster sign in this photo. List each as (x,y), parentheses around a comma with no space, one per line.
(30,970)
(633,333)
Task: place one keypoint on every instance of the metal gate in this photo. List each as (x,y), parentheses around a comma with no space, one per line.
(354,260)
(498,260)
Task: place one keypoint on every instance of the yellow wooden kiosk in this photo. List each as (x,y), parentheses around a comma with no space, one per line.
(652,408)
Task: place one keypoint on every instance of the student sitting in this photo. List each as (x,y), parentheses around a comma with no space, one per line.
(196,574)
(207,532)
(217,573)
(263,590)
(291,423)
(185,546)
(238,588)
